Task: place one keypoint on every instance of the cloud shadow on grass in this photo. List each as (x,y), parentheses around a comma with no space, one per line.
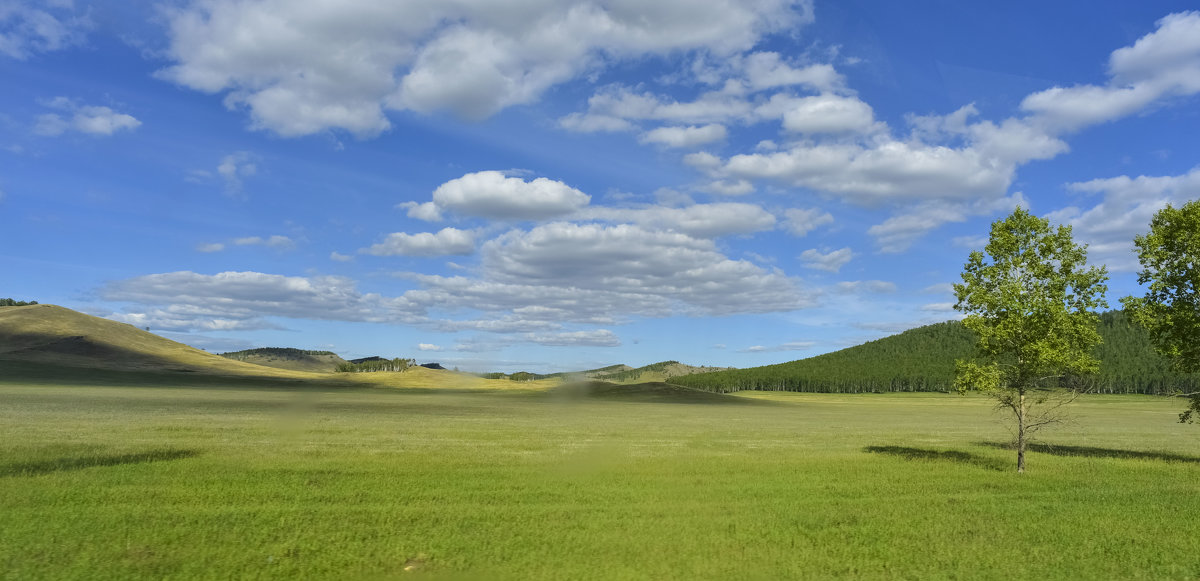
(1094,452)
(69,463)
(923,454)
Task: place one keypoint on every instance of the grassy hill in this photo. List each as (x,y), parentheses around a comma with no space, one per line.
(661,371)
(289,358)
(922,359)
(49,336)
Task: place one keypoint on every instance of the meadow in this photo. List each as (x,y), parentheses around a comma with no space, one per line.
(248,481)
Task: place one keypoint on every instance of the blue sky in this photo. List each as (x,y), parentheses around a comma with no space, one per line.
(550,185)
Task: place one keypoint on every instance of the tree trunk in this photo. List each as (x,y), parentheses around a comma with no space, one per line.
(1021,434)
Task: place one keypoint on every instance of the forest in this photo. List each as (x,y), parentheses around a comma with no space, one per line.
(923,359)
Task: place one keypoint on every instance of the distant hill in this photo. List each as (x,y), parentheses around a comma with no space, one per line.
(289,358)
(660,371)
(922,359)
(53,336)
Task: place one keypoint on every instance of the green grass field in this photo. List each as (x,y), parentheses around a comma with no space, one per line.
(212,482)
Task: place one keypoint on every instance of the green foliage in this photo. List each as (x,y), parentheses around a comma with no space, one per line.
(16,303)
(1170,310)
(276,352)
(374,364)
(923,359)
(919,359)
(1030,303)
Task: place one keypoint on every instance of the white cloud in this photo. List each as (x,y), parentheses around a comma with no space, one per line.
(801,221)
(767,70)
(427,212)
(940,288)
(828,114)
(1164,63)
(729,187)
(28,28)
(241,300)
(593,338)
(831,261)
(428,347)
(339,257)
(304,66)
(596,274)
(447,241)
(491,194)
(884,171)
(211,247)
(89,119)
(685,137)
(938,307)
(699,220)
(1125,211)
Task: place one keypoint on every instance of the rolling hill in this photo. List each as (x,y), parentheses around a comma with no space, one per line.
(922,359)
(289,358)
(50,336)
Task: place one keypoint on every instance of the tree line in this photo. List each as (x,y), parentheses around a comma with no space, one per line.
(16,303)
(376,364)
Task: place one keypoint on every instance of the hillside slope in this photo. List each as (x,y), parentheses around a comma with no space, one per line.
(922,359)
(289,358)
(55,336)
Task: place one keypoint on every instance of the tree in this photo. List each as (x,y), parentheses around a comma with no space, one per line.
(1030,302)
(1170,310)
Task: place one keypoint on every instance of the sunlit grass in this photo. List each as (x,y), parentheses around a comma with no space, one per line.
(155,482)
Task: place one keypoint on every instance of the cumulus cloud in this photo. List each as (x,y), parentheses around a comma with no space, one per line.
(491,194)
(313,66)
(593,338)
(826,113)
(88,119)
(1164,63)
(427,212)
(187,300)
(211,247)
(339,257)
(428,347)
(1124,211)
(831,260)
(699,220)
(801,221)
(29,28)
(447,241)
(685,137)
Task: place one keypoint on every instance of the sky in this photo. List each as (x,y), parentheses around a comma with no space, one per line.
(550,185)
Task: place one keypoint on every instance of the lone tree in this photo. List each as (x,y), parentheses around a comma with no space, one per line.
(1031,302)
(1170,311)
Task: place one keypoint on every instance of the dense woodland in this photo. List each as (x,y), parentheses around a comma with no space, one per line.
(16,303)
(372,364)
(276,352)
(923,359)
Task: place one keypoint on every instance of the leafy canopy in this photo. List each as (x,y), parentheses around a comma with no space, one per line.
(1170,310)
(1031,302)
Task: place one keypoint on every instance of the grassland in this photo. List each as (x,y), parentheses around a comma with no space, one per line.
(212,482)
